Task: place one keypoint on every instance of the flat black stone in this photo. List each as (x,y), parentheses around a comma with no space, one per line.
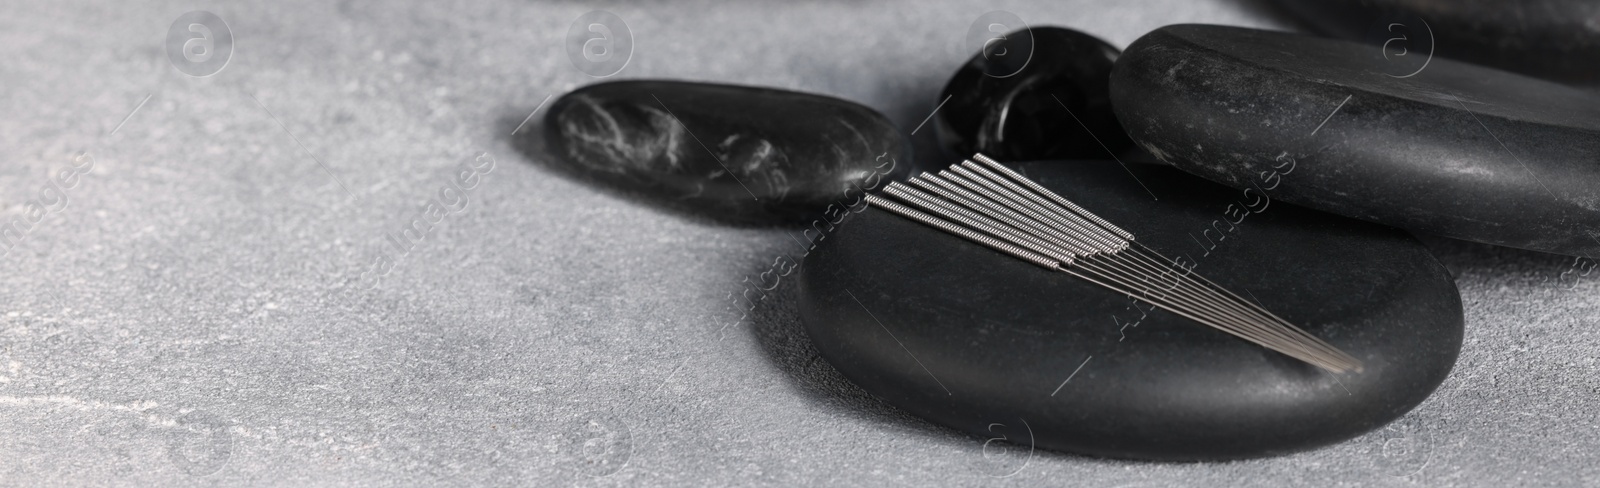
(1554,39)
(1012,112)
(732,153)
(968,338)
(1457,150)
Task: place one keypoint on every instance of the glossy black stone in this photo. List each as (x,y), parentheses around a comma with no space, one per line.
(1457,149)
(968,338)
(731,153)
(1025,116)
(1555,39)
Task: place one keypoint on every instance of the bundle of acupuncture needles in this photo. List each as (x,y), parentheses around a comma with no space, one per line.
(990,204)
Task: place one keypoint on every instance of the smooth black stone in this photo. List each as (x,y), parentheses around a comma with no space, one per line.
(1554,39)
(732,153)
(1001,335)
(1018,117)
(1457,150)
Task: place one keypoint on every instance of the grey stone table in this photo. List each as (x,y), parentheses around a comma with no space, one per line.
(201,306)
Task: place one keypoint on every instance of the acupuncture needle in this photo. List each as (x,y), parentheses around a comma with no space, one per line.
(1289,328)
(999,208)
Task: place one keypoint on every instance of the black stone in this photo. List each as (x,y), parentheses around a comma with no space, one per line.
(731,153)
(1457,150)
(968,338)
(1012,112)
(1554,39)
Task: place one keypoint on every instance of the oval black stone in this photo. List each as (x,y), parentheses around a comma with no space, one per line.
(1457,150)
(1045,110)
(967,337)
(1553,39)
(732,153)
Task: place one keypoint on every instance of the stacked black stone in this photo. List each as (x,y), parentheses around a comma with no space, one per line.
(1454,149)
(1553,39)
(967,336)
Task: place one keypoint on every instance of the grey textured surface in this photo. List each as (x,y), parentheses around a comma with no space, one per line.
(190,317)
